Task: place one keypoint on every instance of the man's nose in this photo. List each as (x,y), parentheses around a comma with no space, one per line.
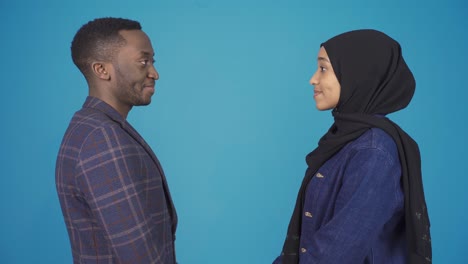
(153,73)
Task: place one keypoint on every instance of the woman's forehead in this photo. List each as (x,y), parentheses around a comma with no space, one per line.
(323,55)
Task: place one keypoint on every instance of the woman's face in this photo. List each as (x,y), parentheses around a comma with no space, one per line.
(326,86)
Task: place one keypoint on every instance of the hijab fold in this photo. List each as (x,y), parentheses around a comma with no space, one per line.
(375,80)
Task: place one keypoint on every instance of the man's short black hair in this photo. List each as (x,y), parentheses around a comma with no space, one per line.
(99,40)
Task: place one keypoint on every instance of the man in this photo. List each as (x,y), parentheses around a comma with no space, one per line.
(112,189)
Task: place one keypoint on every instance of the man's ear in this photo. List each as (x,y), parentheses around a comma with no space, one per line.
(101,70)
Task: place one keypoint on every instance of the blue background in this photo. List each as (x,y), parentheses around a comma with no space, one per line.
(232,119)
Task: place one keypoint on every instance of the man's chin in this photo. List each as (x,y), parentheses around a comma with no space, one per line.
(143,102)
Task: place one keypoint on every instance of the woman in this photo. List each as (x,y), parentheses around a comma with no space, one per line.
(361,200)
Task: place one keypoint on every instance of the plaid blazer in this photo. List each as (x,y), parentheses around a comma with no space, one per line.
(113,192)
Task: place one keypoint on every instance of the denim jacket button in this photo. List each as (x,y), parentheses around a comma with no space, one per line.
(308,214)
(303,250)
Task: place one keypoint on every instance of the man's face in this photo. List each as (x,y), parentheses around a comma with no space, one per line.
(135,74)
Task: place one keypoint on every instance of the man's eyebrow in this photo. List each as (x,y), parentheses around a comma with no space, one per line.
(323,59)
(146,53)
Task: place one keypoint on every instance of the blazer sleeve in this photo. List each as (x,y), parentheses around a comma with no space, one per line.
(368,198)
(105,179)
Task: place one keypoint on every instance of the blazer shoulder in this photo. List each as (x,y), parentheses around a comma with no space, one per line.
(85,122)
(91,119)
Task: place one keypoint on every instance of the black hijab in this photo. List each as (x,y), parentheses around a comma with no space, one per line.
(374,80)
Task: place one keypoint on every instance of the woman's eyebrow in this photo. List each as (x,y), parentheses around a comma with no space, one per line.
(323,59)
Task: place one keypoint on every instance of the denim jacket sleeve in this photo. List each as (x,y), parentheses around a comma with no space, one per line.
(367,198)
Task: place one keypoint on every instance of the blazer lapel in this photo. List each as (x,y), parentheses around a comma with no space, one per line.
(130,130)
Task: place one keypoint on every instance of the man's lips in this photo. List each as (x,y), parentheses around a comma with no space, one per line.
(149,87)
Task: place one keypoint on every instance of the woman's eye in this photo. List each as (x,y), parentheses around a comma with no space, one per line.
(322,69)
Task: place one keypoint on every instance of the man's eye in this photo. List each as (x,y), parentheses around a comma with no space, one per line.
(322,69)
(147,62)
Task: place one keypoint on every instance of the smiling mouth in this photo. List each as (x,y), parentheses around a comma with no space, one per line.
(149,86)
(317,93)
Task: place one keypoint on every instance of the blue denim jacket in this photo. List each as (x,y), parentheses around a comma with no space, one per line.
(353,211)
